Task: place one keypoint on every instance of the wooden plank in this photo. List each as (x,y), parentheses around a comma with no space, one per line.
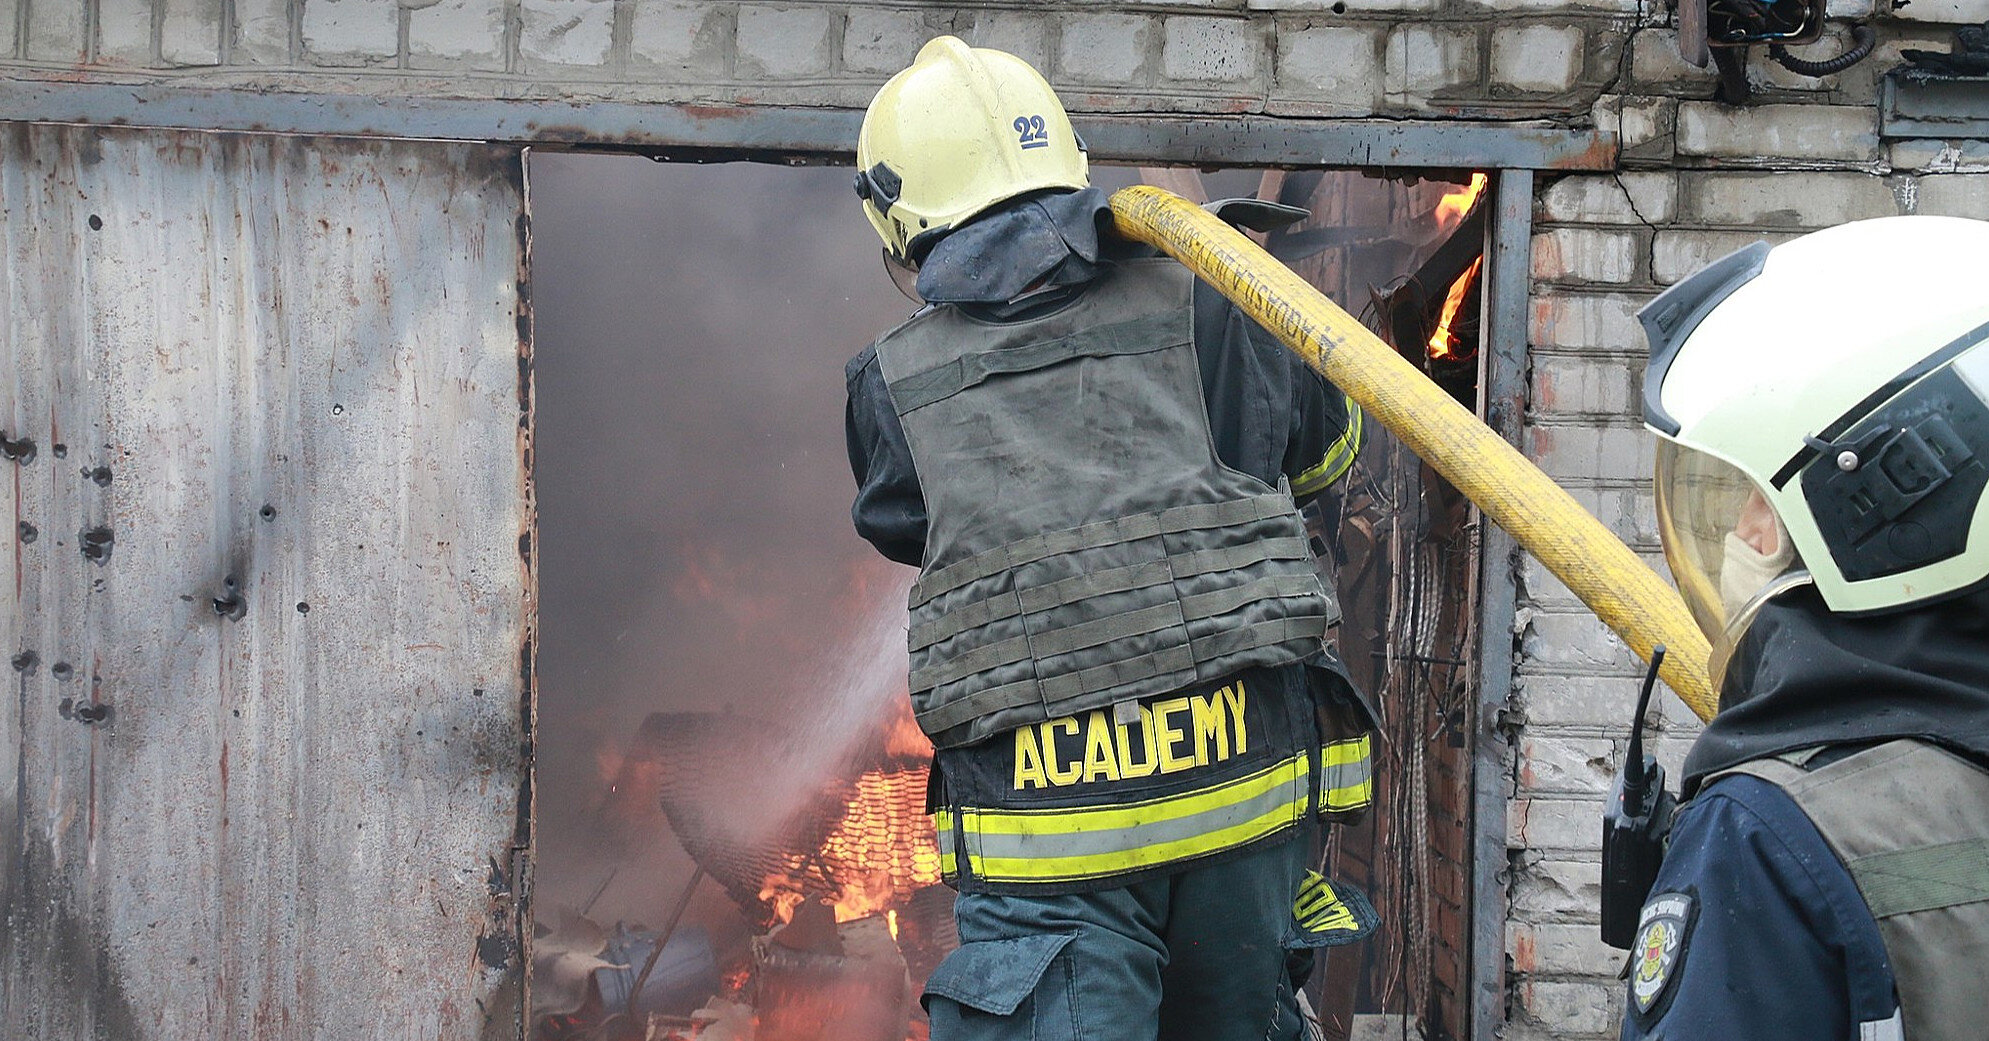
(265,769)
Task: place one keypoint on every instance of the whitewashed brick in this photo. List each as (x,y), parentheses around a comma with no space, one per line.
(1212,50)
(1607,321)
(1025,34)
(785,42)
(124,32)
(1105,48)
(1648,127)
(1595,701)
(1356,6)
(1627,198)
(469,32)
(566,33)
(1954,195)
(1560,6)
(1577,641)
(1423,59)
(881,40)
(1562,890)
(1543,59)
(1557,824)
(680,38)
(1585,255)
(1655,62)
(1822,132)
(1594,1007)
(1676,254)
(1916,156)
(1336,68)
(1951,12)
(1628,512)
(56,31)
(1587,385)
(1782,198)
(262,32)
(1551,947)
(190,32)
(339,32)
(1577,766)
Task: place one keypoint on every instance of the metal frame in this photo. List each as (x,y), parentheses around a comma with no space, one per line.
(702,132)
(1504,388)
(817,135)
(1933,106)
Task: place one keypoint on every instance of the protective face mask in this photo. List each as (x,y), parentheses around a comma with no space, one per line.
(1745,571)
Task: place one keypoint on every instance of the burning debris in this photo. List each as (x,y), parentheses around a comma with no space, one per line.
(841,893)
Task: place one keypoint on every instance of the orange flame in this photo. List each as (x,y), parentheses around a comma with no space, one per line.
(1453,206)
(881,851)
(1443,343)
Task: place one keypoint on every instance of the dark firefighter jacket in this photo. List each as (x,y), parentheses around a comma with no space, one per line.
(1829,878)
(1103,796)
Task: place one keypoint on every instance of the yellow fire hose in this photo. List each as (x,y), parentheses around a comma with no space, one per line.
(1618,586)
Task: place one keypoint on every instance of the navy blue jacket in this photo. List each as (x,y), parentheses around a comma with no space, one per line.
(1780,945)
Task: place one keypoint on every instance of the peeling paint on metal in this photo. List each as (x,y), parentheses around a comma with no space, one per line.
(292,364)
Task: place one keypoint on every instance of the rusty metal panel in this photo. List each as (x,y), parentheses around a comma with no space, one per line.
(264,769)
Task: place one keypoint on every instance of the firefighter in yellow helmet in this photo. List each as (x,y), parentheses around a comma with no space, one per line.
(1118,633)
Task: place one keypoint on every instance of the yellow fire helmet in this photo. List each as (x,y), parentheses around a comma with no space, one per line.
(1822,414)
(962,129)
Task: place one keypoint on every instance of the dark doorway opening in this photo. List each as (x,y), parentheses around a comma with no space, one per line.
(723,741)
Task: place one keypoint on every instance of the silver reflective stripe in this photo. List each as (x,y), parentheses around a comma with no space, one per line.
(1883,1029)
(983,845)
(1345,775)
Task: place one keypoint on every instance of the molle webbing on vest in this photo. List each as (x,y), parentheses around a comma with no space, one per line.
(1085,546)
(1910,821)
(1137,336)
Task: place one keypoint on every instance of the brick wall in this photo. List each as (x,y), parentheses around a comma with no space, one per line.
(1695,180)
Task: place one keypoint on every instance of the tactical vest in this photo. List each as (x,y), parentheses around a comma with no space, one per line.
(1911,822)
(1085,546)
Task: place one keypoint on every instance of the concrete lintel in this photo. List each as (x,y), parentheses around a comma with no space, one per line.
(795,134)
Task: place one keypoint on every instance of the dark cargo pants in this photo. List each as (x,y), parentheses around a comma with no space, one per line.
(1194,956)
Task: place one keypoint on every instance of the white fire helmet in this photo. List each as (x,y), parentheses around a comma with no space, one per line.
(1822,412)
(959,130)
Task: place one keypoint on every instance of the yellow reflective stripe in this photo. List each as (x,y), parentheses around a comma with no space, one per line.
(1051,869)
(1340,753)
(942,828)
(1346,778)
(1067,821)
(1278,792)
(1338,458)
(1351,797)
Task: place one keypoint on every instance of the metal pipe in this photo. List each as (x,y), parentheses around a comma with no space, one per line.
(1618,586)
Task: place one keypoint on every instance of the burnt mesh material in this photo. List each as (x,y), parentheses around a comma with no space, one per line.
(864,830)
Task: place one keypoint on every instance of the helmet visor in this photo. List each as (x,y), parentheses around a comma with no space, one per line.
(1721,538)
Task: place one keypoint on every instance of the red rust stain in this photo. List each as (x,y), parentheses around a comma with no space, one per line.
(1600,154)
(1525,953)
(703,112)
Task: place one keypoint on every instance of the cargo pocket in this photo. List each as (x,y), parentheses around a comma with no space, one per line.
(1003,990)
(1327,913)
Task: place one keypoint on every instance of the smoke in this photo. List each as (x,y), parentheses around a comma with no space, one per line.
(692,323)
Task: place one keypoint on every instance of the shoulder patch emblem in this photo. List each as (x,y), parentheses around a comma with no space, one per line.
(1662,930)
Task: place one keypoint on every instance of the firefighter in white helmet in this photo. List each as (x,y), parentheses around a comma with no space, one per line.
(1822,409)
(1117,635)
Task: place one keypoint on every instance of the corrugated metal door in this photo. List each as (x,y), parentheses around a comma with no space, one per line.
(264,772)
